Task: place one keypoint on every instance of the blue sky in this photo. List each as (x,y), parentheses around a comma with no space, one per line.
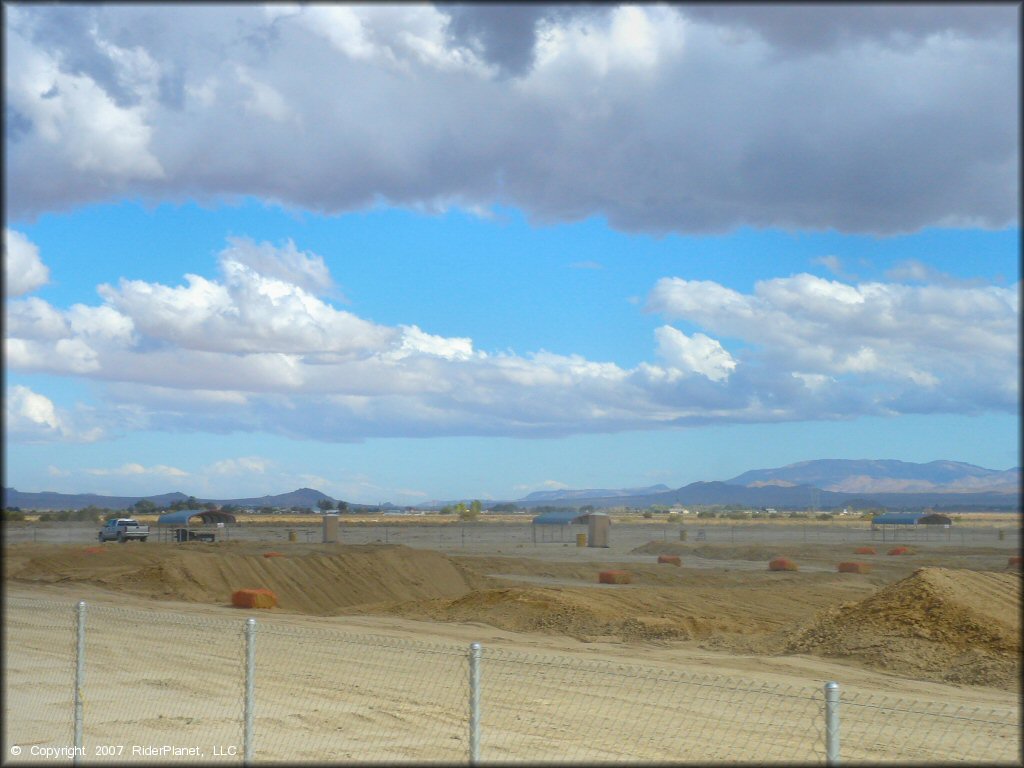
(501,249)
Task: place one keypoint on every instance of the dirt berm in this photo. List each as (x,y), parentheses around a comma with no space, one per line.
(305,581)
(939,623)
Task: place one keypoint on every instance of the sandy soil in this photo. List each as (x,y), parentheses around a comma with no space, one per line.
(939,625)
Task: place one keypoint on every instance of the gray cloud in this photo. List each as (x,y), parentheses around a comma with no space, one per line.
(505,35)
(807,27)
(877,119)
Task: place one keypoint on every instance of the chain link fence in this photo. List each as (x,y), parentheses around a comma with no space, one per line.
(161,686)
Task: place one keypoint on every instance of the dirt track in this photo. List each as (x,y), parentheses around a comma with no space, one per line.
(956,620)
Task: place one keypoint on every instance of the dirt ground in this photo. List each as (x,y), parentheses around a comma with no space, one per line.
(940,623)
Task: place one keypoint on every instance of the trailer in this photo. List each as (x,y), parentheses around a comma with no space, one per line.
(187,534)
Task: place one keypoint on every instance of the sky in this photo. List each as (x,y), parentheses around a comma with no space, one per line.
(434,252)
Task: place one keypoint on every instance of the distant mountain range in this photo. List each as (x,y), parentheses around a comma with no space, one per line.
(820,484)
(867,476)
(561,495)
(832,483)
(303,497)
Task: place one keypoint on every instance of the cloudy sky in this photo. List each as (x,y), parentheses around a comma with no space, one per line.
(430,252)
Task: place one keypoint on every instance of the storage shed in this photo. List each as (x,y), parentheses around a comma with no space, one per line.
(910,524)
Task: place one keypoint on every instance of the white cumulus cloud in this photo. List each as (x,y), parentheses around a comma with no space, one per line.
(33,418)
(256,350)
(24,271)
(694,354)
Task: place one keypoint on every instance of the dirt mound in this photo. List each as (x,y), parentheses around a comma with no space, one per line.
(322,581)
(585,614)
(939,623)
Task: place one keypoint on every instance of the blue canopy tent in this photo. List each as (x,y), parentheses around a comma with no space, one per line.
(183,516)
(555,522)
(182,519)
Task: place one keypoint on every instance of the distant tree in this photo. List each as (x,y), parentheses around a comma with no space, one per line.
(343,506)
(13,513)
(504,508)
(470,513)
(447,509)
(144,507)
(211,506)
(193,503)
(325,505)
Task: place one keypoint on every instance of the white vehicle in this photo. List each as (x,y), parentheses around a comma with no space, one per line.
(122,529)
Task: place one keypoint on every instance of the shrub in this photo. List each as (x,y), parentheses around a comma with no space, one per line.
(782,564)
(1013,562)
(865,551)
(670,559)
(615,577)
(900,551)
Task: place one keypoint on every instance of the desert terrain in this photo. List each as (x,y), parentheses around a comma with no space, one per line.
(938,624)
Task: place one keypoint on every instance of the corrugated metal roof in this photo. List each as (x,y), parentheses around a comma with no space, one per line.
(181,517)
(556,518)
(897,518)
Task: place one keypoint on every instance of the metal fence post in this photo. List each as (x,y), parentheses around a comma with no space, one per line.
(250,690)
(831,723)
(474,703)
(79,680)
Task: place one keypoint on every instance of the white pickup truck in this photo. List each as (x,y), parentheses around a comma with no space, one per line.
(122,529)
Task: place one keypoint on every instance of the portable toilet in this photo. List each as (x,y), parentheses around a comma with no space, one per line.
(599,526)
(330,529)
